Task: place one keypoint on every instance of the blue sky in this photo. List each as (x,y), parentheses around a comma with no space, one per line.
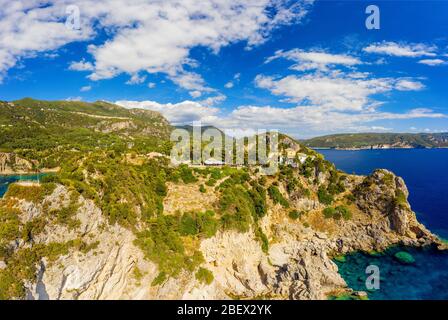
(303,67)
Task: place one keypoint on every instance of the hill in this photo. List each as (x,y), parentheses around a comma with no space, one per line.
(46,131)
(379,141)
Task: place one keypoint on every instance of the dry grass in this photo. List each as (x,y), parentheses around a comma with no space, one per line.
(187,197)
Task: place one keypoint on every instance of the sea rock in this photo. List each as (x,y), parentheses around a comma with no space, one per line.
(404,257)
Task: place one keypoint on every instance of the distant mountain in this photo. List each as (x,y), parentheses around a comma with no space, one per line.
(189,128)
(380,141)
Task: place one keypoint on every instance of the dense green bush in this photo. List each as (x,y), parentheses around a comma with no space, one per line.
(162,244)
(203,223)
(329,212)
(236,208)
(294,214)
(337,213)
(324,197)
(260,236)
(186,174)
(277,197)
(204,276)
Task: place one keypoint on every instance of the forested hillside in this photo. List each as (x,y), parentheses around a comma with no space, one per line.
(380,140)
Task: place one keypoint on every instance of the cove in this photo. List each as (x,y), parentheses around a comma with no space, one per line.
(424,279)
(5,180)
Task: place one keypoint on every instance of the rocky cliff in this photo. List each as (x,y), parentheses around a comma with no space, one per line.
(297,265)
(11,163)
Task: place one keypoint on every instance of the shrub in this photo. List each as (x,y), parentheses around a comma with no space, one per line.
(294,214)
(204,276)
(186,174)
(162,244)
(335,188)
(260,236)
(337,213)
(277,197)
(237,208)
(344,212)
(9,224)
(258,195)
(329,212)
(188,225)
(203,223)
(202,189)
(33,193)
(161,278)
(400,198)
(350,198)
(324,197)
(211,182)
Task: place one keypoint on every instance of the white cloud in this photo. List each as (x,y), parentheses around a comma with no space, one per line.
(151,85)
(136,79)
(402,49)
(229,85)
(432,62)
(335,92)
(85,88)
(211,101)
(309,60)
(195,94)
(81,66)
(151,36)
(177,113)
(28,28)
(299,120)
(408,85)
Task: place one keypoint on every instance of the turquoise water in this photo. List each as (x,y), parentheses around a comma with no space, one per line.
(425,279)
(426,175)
(6,180)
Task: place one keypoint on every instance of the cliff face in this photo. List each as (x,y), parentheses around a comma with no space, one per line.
(297,265)
(11,163)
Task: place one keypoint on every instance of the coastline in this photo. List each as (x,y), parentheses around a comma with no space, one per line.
(373,148)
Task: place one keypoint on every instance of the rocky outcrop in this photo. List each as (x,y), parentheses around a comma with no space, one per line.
(11,163)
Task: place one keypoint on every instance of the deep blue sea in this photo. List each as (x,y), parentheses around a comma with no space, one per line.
(425,172)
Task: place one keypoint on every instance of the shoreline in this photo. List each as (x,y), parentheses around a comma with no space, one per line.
(364,149)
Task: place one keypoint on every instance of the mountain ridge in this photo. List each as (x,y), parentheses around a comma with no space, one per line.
(379,141)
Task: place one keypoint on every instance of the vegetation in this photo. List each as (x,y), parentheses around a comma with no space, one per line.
(162,244)
(340,212)
(294,214)
(30,193)
(204,276)
(324,196)
(366,140)
(277,197)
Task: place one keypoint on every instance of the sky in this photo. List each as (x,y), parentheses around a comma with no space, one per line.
(306,68)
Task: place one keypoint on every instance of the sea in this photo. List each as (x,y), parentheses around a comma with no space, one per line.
(425,172)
